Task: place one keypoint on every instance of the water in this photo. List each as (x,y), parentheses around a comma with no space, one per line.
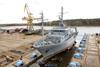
(35,27)
(87,30)
(81,30)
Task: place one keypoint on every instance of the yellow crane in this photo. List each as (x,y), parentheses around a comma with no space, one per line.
(29,18)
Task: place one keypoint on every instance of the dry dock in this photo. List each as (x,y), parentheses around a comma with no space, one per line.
(91,54)
(16,45)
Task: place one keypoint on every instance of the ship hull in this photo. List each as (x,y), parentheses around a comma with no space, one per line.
(51,50)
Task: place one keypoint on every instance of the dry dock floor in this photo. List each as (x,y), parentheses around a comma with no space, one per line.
(91,55)
(92,52)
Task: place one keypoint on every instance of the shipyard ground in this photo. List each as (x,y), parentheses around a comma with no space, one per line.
(16,45)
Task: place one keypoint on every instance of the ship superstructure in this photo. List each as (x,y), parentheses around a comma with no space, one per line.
(56,41)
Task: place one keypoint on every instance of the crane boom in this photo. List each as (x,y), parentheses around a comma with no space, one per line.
(29,19)
(27,10)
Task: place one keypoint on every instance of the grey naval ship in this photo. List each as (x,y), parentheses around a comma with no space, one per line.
(57,40)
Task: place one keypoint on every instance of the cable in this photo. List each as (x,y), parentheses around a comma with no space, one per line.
(60,2)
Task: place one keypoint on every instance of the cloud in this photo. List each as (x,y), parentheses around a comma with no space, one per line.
(13,10)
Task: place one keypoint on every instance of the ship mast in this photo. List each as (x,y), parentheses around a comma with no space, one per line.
(61,15)
(42,21)
(61,18)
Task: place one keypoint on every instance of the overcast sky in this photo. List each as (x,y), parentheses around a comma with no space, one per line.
(11,11)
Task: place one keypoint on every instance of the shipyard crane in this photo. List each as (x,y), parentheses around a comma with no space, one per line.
(29,18)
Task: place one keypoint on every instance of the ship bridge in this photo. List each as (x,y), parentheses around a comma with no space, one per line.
(59,32)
